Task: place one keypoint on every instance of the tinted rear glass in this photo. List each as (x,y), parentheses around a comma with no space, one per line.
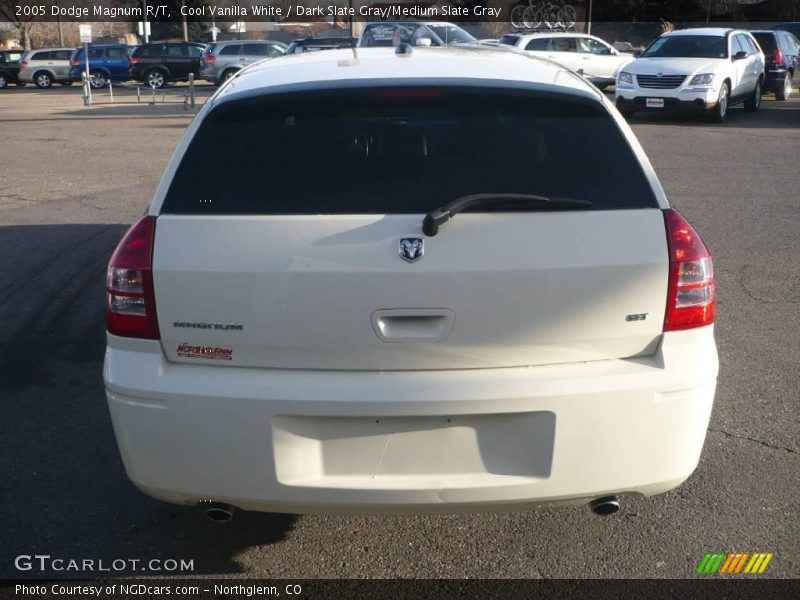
(766,41)
(538,44)
(150,51)
(231,49)
(117,53)
(402,150)
(10,57)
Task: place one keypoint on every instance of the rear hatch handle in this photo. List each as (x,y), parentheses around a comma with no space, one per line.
(412,324)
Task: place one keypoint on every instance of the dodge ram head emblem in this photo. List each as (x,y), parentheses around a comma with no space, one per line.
(411,249)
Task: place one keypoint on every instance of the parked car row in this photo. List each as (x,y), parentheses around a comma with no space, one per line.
(154,64)
(699,70)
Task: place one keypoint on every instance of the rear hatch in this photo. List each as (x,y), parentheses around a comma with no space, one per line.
(767,43)
(290,235)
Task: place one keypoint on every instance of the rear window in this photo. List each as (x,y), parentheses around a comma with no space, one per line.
(117,53)
(231,49)
(509,40)
(402,150)
(538,44)
(10,57)
(149,51)
(766,41)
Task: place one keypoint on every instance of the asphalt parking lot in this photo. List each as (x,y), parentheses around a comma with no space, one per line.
(74,177)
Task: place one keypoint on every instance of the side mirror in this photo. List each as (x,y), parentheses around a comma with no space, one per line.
(423,41)
(740,55)
(637,54)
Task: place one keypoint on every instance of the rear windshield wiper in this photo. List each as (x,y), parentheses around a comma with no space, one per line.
(440,216)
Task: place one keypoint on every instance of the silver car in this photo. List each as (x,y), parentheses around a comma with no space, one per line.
(221,60)
(46,66)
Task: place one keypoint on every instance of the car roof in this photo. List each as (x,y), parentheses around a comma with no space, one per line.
(465,62)
(228,42)
(409,23)
(173,42)
(50,48)
(719,31)
(555,34)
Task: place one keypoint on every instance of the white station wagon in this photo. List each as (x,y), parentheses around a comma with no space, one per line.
(459,286)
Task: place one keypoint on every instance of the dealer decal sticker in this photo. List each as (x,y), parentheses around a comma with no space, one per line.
(207,352)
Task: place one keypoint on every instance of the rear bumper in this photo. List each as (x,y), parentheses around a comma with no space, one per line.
(208,74)
(436,441)
(774,79)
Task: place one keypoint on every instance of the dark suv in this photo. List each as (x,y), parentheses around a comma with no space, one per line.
(157,63)
(9,67)
(782,54)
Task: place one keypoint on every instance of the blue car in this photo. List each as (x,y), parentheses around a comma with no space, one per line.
(109,62)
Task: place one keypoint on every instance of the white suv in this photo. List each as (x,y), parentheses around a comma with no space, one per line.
(597,60)
(700,70)
(458,286)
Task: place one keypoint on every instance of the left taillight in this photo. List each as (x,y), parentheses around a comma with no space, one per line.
(75,62)
(23,63)
(691,294)
(130,296)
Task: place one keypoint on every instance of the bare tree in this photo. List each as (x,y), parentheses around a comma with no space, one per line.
(23,24)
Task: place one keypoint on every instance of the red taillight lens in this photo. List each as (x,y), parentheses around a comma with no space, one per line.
(75,62)
(23,63)
(691,297)
(134,60)
(210,59)
(130,298)
(777,57)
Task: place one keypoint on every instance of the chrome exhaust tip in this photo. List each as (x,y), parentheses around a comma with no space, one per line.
(605,506)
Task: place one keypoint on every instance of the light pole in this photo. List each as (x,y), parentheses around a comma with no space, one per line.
(350,6)
(144,22)
(589,19)
(60,31)
(183,19)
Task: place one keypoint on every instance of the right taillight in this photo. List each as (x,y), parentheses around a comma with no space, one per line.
(130,297)
(690,293)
